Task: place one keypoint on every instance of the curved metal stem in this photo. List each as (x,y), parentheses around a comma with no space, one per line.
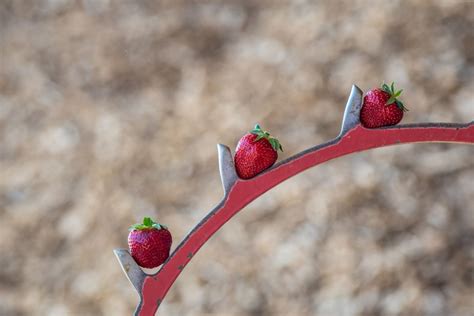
(239,193)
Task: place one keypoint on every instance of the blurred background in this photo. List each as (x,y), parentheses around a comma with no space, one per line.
(111,110)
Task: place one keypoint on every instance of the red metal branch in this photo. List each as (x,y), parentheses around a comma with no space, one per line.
(238,193)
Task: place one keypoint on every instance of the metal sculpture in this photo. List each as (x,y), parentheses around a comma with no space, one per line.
(353,137)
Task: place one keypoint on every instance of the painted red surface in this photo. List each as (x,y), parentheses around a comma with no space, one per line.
(243,192)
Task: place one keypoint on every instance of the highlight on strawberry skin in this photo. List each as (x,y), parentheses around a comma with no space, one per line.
(256,151)
(381,107)
(149,243)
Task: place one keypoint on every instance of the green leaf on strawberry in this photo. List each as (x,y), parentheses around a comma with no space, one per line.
(148,223)
(261,134)
(393,96)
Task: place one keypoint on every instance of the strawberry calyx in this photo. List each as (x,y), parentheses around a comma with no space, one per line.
(148,223)
(261,134)
(394,94)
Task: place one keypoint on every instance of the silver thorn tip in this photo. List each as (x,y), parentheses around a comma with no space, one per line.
(352,112)
(226,167)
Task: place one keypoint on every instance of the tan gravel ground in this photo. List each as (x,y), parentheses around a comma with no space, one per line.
(111,110)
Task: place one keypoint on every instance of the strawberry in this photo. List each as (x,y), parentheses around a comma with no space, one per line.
(381,107)
(149,243)
(255,152)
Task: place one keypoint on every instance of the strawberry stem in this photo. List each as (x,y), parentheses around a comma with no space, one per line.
(266,135)
(148,223)
(394,94)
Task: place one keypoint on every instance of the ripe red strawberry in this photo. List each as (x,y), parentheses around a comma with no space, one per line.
(149,243)
(255,152)
(381,107)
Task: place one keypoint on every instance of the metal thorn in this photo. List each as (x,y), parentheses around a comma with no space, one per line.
(133,272)
(352,112)
(226,167)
